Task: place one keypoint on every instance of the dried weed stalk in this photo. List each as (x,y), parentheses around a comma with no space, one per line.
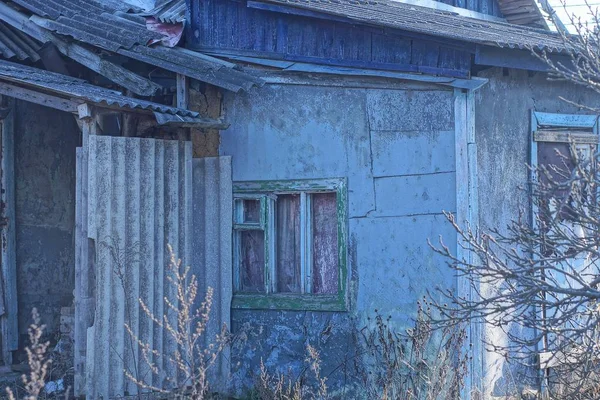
(193,358)
(36,358)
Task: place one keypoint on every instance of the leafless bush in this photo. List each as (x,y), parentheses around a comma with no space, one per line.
(541,278)
(193,358)
(579,59)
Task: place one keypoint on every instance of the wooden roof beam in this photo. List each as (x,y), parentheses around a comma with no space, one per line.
(36,97)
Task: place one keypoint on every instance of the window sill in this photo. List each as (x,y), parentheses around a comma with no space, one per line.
(297,302)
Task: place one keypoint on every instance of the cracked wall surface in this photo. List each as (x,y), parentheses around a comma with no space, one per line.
(45,142)
(396,148)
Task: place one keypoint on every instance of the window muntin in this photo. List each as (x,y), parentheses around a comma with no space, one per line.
(290,244)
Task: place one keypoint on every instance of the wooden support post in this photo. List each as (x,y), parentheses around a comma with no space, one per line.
(84,253)
(467,212)
(183,99)
(183,96)
(9,320)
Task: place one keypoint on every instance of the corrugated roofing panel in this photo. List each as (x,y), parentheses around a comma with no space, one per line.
(211,249)
(112,28)
(14,44)
(140,202)
(169,11)
(77,88)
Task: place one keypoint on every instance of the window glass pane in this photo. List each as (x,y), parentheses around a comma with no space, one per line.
(325,244)
(247,211)
(252,261)
(288,243)
(252,211)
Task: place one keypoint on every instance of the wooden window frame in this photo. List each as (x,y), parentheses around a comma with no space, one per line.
(264,191)
(575,130)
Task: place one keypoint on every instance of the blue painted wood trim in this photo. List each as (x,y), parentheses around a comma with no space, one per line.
(288,61)
(542,119)
(512,58)
(472,83)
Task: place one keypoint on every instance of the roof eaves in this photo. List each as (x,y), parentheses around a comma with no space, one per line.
(68,88)
(426,21)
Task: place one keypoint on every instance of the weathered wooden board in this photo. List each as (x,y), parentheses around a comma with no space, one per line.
(9,328)
(301,38)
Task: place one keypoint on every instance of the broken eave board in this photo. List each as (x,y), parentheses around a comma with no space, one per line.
(183,63)
(293,67)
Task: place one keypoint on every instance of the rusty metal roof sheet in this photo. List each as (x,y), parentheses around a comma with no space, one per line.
(69,87)
(17,45)
(432,22)
(169,11)
(113,28)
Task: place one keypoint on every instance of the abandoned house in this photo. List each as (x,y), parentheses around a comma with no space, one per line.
(296,154)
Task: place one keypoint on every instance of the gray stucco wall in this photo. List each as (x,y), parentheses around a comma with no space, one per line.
(45,142)
(396,148)
(502,109)
(503,126)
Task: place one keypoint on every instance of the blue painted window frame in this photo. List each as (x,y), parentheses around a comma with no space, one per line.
(558,128)
(264,191)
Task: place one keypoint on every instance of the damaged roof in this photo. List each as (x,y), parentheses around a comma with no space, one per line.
(15,44)
(113,28)
(169,11)
(72,88)
(427,21)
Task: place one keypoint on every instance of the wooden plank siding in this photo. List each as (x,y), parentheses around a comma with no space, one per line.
(247,28)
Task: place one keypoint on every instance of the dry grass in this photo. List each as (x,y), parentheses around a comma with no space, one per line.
(284,387)
(421,364)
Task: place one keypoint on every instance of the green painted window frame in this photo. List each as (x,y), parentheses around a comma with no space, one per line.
(264,191)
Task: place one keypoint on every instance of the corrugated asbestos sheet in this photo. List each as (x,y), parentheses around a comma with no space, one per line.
(116,30)
(15,44)
(139,202)
(212,213)
(428,21)
(80,89)
(169,11)
(144,194)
